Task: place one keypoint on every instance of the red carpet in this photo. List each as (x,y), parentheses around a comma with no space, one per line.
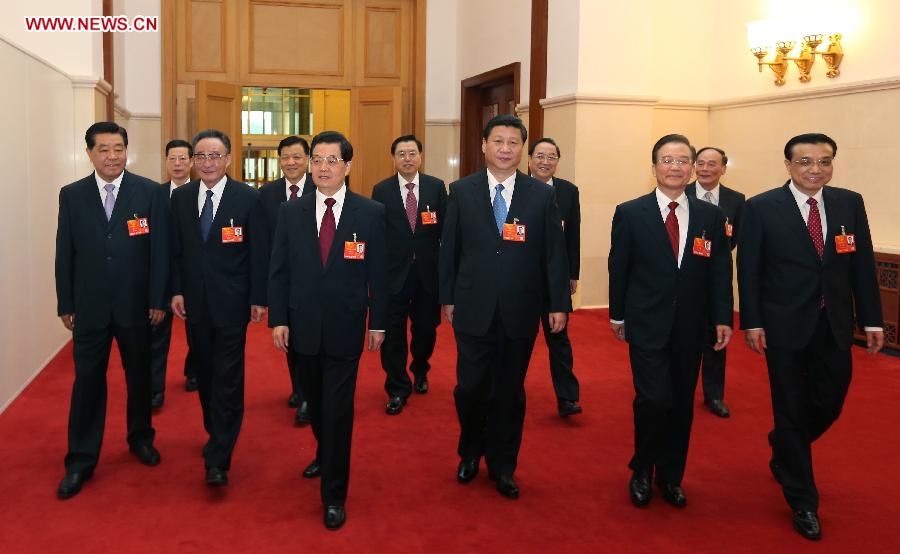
(403,492)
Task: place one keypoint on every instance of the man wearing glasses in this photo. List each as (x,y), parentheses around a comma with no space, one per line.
(293,157)
(218,286)
(669,278)
(414,211)
(805,264)
(543,159)
(326,276)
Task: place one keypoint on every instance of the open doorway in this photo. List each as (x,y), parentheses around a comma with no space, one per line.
(484,96)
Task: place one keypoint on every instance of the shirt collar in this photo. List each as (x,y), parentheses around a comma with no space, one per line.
(101,183)
(217,190)
(338,196)
(402,180)
(802,197)
(664,200)
(300,184)
(701,192)
(508,184)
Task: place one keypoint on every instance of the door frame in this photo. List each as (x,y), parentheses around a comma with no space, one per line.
(470,127)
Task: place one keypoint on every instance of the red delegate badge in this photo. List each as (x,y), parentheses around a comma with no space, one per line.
(354,250)
(844,243)
(514,231)
(702,247)
(232,233)
(138,226)
(429,217)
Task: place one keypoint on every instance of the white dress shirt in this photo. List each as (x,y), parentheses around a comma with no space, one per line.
(336,209)
(300,184)
(701,193)
(216,197)
(117,182)
(509,185)
(404,192)
(801,198)
(681,212)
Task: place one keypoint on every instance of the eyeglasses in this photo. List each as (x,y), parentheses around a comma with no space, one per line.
(295,157)
(807,163)
(410,155)
(549,157)
(212,156)
(174,159)
(674,161)
(331,160)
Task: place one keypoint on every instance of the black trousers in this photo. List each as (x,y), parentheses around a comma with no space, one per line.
(423,310)
(808,387)
(294,374)
(161,337)
(330,386)
(219,354)
(713,369)
(87,411)
(664,385)
(490,396)
(565,384)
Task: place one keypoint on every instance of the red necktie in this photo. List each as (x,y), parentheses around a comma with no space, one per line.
(294,189)
(814,226)
(326,232)
(672,228)
(411,205)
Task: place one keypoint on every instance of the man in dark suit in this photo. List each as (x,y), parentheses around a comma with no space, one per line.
(112,263)
(805,264)
(178,167)
(502,251)
(711,166)
(669,278)
(543,159)
(326,274)
(293,157)
(218,285)
(414,212)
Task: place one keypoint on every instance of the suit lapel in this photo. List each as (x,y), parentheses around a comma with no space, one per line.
(344,228)
(224,203)
(694,229)
(654,222)
(484,198)
(521,193)
(790,213)
(93,202)
(126,189)
(307,225)
(834,219)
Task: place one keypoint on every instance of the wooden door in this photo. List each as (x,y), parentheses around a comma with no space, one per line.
(219,107)
(484,96)
(375,121)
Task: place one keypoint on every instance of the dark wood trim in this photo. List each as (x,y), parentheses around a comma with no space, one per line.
(470,112)
(538,81)
(109,64)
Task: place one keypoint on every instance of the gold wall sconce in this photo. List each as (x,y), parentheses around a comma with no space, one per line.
(758,33)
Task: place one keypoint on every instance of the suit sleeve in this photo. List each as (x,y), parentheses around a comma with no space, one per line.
(738,216)
(619,265)
(65,260)
(573,235)
(160,259)
(865,282)
(749,266)
(556,259)
(259,255)
(722,302)
(279,272)
(377,260)
(449,255)
(442,205)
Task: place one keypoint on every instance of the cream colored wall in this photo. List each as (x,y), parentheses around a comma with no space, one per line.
(441,149)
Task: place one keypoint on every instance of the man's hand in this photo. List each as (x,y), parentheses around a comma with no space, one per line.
(573,285)
(448,313)
(558,321)
(723,337)
(257,313)
(280,336)
(618,330)
(874,341)
(375,340)
(756,340)
(68,321)
(178,306)
(156,317)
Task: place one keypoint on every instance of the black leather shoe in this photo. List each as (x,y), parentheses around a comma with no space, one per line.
(567,408)
(507,487)
(395,405)
(718,407)
(421,386)
(639,488)
(293,400)
(807,524)
(190,384)
(335,516)
(71,484)
(313,470)
(467,470)
(216,477)
(302,416)
(674,495)
(148,455)
(156,402)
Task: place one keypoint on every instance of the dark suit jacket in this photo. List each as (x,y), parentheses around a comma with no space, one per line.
(102,273)
(481,273)
(657,300)
(326,307)
(219,280)
(781,278)
(570,214)
(402,243)
(731,202)
(271,196)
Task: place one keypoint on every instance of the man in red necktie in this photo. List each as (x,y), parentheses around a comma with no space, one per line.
(669,278)
(805,261)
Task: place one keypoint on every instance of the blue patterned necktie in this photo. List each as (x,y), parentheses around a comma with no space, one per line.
(206,215)
(500,209)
